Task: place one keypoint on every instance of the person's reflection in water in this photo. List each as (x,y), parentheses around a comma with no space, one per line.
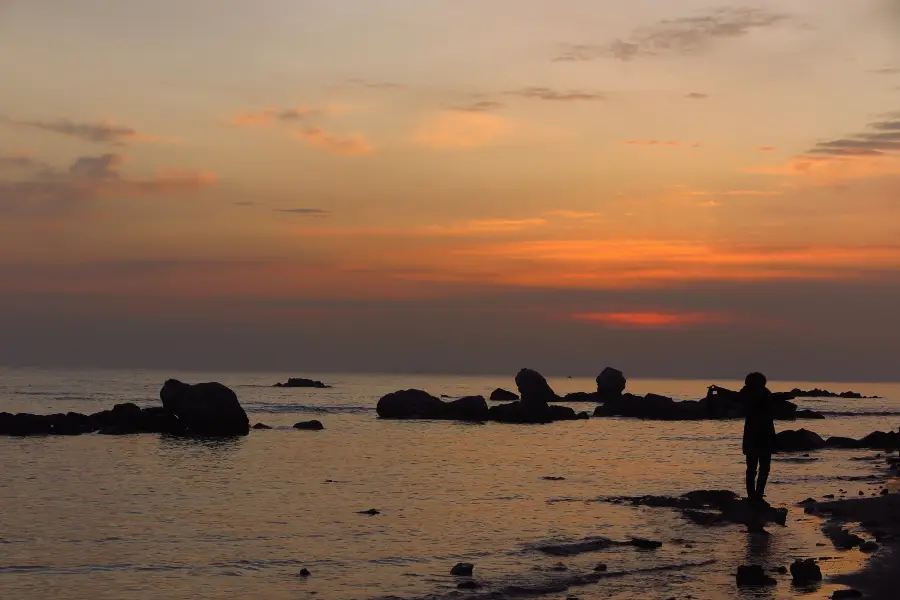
(759,434)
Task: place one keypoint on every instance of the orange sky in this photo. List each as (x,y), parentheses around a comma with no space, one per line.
(203,157)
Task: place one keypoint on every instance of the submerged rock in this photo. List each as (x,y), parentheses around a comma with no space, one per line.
(205,409)
(846,594)
(806,572)
(299,382)
(261,426)
(462,570)
(753,576)
(310,425)
(712,507)
(503,395)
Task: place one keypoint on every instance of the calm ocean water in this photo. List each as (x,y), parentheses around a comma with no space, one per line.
(147,516)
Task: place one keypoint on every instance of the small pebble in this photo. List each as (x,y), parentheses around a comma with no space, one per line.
(305,573)
(559,567)
(600,568)
(371,511)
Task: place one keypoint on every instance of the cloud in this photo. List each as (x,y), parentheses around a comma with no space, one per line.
(653,320)
(483,106)
(767,148)
(376,85)
(18,160)
(753,193)
(573,214)
(460,129)
(105,132)
(479,226)
(91,177)
(886,71)
(269,116)
(353,145)
(658,143)
(697,96)
(543,93)
(307,212)
(683,36)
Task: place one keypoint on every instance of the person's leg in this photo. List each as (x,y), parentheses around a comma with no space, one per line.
(765,463)
(752,460)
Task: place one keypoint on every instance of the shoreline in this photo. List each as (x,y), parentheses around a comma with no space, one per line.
(878,516)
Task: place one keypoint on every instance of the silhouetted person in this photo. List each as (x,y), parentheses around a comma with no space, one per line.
(759,433)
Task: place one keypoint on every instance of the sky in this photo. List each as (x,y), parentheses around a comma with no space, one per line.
(678,188)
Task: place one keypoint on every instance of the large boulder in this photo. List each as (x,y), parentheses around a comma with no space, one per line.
(24,424)
(205,409)
(879,440)
(610,384)
(534,389)
(651,407)
(519,412)
(503,395)
(418,404)
(801,440)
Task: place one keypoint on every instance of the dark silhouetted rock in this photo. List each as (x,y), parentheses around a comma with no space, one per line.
(205,409)
(600,568)
(808,414)
(651,407)
(868,547)
(371,512)
(801,440)
(581,397)
(805,572)
(24,424)
(712,507)
(841,538)
(503,395)
(310,425)
(841,442)
(753,576)
(410,404)
(559,567)
(469,408)
(462,570)
(846,594)
(818,393)
(534,389)
(299,382)
(468,585)
(879,440)
(261,426)
(645,544)
(782,570)
(551,478)
(305,573)
(610,384)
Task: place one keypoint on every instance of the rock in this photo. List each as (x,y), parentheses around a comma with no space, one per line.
(879,440)
(828,496)
(868,547)
(610,384)
(534,389)
(205,409)
(261,426)
(645,544)
(808,414)
(468,585)
(782,570)
(310,426)
(807,501)
(798,441)
(371,512)
(503,395)
(600,568)
(752,576)
(559,567)
(581,397)
(305,573)
(841,538)
(299,382)
(552,478)
(517,412)
(462,570)
(805,572)
(576,548)
(712,507)
(841,443)
(583,416)
(417,404)
(846,594)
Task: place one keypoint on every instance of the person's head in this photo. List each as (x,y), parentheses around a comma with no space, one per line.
(756,381)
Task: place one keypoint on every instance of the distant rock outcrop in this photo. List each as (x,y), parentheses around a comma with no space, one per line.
(502,395)
(819,393)
(299,382)
(534,389)
(310,425)
(610,384)
(205,409)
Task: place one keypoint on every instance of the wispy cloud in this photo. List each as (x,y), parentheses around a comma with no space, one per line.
(482,106)
(654,320)
(18,160)
(306,212)
(351,145)
(460,129)
(767,148)
(551,95)
(697,96)
(269,116)
(683,36)
(89,177)
(376,85)
(105,132)
(657,143)
(886,71)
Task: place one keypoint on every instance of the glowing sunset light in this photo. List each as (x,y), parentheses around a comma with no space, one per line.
(651,320)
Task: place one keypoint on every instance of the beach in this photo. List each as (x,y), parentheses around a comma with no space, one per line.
(149,515)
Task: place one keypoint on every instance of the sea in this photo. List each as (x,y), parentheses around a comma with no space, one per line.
(150,516)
